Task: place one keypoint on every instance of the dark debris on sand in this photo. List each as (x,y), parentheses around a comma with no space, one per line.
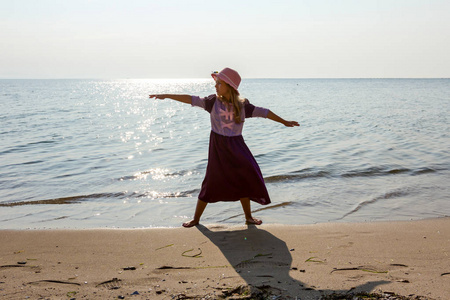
(372,296)
(270,293)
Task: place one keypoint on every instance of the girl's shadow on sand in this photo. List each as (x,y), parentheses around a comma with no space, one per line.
(265,262)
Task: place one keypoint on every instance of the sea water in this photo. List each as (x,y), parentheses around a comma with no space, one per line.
(101,154)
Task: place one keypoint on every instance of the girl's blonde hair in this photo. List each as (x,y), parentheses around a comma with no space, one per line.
(237,102)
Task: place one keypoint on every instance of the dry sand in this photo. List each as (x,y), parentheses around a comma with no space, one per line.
(293,262)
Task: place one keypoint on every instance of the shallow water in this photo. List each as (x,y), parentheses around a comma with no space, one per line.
(99,153)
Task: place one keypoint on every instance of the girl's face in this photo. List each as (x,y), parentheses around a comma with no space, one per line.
(222,89)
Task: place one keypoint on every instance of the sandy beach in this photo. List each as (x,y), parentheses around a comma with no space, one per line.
(216,262)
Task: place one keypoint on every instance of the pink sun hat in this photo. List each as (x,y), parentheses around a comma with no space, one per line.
(230,76)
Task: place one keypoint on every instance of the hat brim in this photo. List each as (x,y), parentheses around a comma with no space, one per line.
(224,79)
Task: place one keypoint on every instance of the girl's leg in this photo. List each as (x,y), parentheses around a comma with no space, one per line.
(201,205)
(245,202)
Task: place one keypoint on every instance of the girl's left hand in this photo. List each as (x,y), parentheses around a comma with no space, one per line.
(291,123)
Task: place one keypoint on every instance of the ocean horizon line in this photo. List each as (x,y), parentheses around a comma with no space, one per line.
(243,78)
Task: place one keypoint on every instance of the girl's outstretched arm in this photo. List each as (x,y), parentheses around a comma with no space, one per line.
(272,116)
(181,98)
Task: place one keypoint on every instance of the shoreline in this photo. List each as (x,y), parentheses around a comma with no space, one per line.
(304,261)
(227,226)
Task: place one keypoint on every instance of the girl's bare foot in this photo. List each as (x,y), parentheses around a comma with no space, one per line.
(253,221)
(191,223)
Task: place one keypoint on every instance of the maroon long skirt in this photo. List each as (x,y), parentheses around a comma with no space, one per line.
(232,172)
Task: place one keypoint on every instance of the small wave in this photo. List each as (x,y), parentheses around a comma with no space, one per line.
(15,218)
(64,200)
(32,162)
(275,206)
(24,147)
(384,171)
(302,174)
(367,172)
(375,171)
(52,219)
(424,171)
(157,174)
(394,194)
(121,195)
(157,195)
(258,210)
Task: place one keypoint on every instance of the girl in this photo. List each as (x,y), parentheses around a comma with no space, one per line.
(232,172)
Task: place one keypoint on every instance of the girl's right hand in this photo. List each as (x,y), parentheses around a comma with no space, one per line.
(158,96)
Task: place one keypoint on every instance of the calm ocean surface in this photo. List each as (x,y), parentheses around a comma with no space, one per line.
(100,154)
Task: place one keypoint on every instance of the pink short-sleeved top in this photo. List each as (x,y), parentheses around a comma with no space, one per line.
(222,115)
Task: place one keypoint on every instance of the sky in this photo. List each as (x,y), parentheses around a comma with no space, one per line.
(112,39)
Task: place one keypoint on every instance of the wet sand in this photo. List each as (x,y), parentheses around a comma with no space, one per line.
(215,262)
